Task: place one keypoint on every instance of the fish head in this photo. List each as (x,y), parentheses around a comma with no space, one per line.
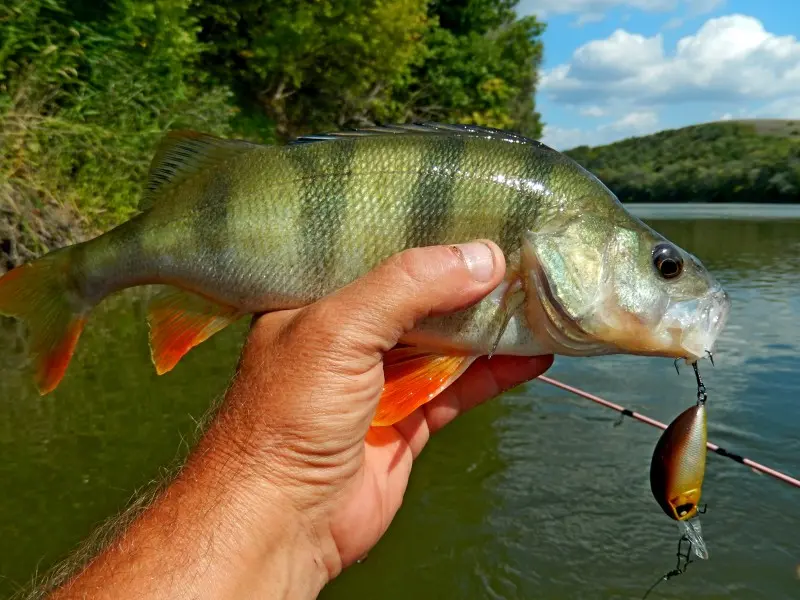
(600,281)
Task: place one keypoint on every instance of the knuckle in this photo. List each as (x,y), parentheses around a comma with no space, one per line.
(329,328)
(318,322)
(412,264)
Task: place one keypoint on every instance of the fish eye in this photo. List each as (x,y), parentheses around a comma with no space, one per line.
(684,509)
(667,260)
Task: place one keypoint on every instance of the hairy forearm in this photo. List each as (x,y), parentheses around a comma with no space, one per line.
(218,531)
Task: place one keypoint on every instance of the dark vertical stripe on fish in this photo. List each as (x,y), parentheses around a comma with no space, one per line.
(324,169)
(209,227)
(521,213)
(431,206)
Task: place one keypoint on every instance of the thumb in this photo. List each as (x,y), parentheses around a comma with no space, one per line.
(371,314)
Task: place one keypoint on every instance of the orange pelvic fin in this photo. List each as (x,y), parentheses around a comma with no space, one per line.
(413,377)
(38,293)
(179,321)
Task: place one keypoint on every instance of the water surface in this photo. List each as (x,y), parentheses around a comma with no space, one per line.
(534,495)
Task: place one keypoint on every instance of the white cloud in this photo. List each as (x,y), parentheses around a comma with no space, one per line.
(585,18)
(619,55)
(564,138)
(783,108)
(702,7)
(639,122)
(726,117)
(631,124)
(729,59)
(545,8)
(594,10)
(592,111)
(674,23)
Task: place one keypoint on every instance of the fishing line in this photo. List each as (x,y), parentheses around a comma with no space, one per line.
(653,423)
(678,570)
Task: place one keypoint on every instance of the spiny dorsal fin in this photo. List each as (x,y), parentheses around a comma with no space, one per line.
(426,128)
(182,154)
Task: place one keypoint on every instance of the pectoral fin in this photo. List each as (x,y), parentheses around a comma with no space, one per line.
(513,298)
(413,377)
(179,321)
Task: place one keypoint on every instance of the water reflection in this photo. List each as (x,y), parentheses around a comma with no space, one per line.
(534,496)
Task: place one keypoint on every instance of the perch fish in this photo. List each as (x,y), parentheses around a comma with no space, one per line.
(233,227)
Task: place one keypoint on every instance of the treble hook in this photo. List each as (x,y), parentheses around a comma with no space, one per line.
(708,354)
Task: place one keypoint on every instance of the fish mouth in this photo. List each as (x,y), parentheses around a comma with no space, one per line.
(695,325)
(687,329)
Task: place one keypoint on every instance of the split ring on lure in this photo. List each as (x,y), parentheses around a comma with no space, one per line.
(677,470)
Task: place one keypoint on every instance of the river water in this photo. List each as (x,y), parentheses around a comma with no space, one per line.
(534,495)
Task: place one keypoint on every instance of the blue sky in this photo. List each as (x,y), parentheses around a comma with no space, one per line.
(618,68)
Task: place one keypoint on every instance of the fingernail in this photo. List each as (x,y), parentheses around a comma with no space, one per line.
(479,259)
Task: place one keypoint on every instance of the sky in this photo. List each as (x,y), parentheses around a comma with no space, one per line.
(618,68)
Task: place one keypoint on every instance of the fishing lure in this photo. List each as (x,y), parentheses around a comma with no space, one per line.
(677,470)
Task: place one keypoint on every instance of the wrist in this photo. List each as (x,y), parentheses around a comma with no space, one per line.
(276,551)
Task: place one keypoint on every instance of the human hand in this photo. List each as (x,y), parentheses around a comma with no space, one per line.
(310,380)
(290,483)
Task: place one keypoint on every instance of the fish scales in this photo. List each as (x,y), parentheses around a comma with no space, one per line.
(432,199)
(235,228)
(348,198)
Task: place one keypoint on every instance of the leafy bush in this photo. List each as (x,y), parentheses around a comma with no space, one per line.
(88,87)
(83,102)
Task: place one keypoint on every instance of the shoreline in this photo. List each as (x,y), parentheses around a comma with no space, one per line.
(28,231)
(749,211)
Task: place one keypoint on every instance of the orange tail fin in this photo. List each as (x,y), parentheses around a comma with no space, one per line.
(38,294)
(413,377)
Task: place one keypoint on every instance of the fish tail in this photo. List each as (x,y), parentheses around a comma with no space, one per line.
(40,293)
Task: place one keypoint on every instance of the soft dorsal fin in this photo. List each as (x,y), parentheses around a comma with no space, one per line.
(182,154)
(426,128)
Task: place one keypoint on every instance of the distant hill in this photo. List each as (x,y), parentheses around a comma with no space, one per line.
(754,160)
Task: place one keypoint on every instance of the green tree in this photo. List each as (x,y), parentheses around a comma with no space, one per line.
(308,66)
(89,87)
(302,67)
(86,91)
(480,67)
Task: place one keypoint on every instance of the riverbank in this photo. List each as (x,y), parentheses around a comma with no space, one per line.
(28,230)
